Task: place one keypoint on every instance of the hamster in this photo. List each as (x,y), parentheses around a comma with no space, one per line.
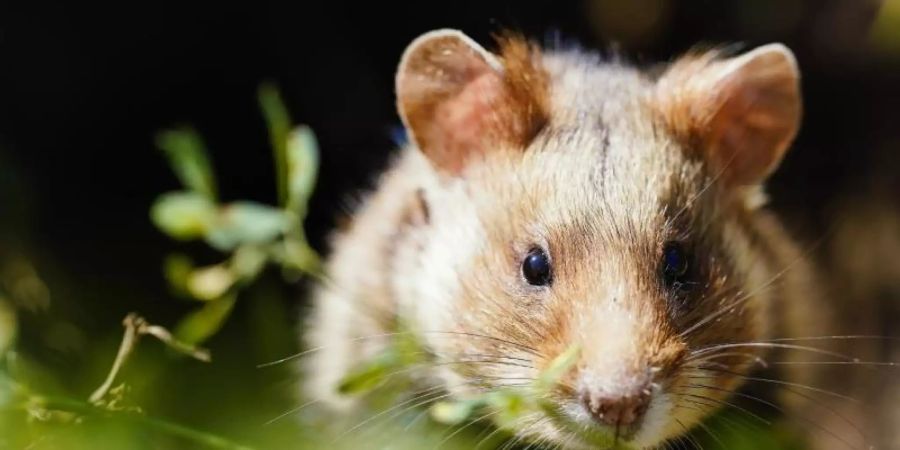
(550,198)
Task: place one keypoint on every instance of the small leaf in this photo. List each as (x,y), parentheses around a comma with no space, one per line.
(7,391)
(369,375)
(279,123)
(406,345)
(203,323)
(210,283)
(177,269)
(247,223)
(248,261)
(300,256)
(188,158)
(8,326)
(453,412)
(555,370)
(510,407)
(302,168)
(183,215)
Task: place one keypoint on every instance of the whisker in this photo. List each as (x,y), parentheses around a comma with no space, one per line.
(447,334)
(290,412)
(778,382)
(394,410)
(782,411)
(481,441)
(531,350)
(523,433)
(872,364)
(726,403)
(708,358)
(320,348)
(687,435)
(705,350)
(709,184)
(837,338)
(713,435)
(752,293)
(462,428)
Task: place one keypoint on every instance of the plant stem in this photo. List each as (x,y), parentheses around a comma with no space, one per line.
(200,437)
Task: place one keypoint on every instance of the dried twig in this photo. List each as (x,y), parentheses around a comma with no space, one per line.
(135,327)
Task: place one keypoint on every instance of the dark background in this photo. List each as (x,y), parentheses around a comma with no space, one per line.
(85,88)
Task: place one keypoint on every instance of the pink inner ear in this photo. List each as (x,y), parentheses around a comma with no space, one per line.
(466,123)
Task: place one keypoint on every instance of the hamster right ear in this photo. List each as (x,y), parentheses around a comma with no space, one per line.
(459,101)
(742,112)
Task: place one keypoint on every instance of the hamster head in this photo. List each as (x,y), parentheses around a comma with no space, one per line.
(584,203)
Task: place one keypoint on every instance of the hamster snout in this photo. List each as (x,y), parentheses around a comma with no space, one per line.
(622,409)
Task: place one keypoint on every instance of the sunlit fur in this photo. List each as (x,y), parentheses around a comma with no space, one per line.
(602,187)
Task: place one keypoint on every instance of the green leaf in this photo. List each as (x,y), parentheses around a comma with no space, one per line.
(454,412)
(302,168)
(369,375)
(188,158)
(248,261)
(247,223)
(7,391)
(298,255)
(562,363)
(177,269)
(510,407)
(203,323)
(7,326)
(210,283)
(183,215)
(279,123)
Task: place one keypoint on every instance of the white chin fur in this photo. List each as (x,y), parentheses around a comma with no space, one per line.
(655,420)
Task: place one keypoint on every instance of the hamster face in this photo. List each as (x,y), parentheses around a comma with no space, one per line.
(575,245)
(596,217)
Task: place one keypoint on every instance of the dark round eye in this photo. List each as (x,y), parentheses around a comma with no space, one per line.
(674,262)
(536,268)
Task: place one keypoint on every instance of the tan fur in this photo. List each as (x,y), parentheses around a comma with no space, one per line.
(602,186)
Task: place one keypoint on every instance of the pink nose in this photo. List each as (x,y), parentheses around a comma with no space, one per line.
(617,410)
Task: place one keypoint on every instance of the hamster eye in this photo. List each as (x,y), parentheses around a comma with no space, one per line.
(536,268)
(674,263)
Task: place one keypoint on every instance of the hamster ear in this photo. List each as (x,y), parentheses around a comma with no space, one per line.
(459,101)
(741,112)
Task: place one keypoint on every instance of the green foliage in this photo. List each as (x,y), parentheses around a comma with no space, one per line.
(302,169)
(8,326)
(508,405)
(184,215)
(203,323)
(253,234)
(188,157)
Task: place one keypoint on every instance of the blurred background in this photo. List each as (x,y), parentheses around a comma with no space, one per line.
(85,90)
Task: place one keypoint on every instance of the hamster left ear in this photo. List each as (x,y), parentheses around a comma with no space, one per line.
(458,101)
(741,112)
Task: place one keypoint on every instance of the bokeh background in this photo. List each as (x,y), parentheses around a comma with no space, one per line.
(84,90)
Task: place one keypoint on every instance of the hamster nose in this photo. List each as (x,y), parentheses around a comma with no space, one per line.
(622,410)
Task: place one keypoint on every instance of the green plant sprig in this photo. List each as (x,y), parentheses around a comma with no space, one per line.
(252,234)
